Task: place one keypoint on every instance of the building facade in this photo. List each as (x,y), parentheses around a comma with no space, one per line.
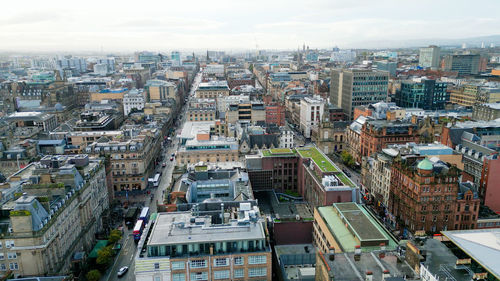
(355,87)
(429,57)
(464,64)
(133,100)
(428,196)
(486,111)
(130,159)
(211,151)
(212,90)
(427,94)
(188,246)
(311,113)
(58,215)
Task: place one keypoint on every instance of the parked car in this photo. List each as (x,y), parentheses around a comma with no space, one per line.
(171,158)
(173,155)
(164,164)
(122,271)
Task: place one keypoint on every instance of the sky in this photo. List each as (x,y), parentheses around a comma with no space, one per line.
(122,26)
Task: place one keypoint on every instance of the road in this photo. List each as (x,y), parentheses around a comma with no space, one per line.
(127,254)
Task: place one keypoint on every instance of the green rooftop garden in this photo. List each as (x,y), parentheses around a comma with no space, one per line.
(345,180)
(319,158)
(277,152)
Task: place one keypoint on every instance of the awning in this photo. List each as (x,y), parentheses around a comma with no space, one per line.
(100,244)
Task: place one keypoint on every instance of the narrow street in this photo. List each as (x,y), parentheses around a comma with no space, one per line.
(127,253)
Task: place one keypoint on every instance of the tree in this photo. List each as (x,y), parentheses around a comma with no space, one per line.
(93,275)
(115,236)
(347,158)
(104,255)
(250,67)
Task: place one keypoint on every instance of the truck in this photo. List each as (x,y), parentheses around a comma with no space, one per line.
(131,216)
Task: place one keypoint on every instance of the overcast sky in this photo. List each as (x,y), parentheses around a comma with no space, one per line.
(232,24)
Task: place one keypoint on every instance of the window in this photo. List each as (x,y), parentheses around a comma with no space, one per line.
(199,276)
(157,278)
(13,266)
(256,259)
(0,245)
(257,271)
(221,274)
(3,267)
(221,262)
(239,273)
(178,277)
(177,265)
(239,261)
(423,219)
(2,256)
(198,264)
(11,256)
(157,265)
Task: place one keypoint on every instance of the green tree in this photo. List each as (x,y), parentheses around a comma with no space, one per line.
(104,255)
(250,67)
(347,158)
(93,275)
(115,236)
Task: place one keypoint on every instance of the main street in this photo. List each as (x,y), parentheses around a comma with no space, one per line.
(127,254)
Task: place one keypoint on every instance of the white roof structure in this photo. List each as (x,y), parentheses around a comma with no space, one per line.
(482,245)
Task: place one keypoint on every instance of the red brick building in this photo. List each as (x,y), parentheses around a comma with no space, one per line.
(428,196)
(275,114)
(490,182)
(377,134)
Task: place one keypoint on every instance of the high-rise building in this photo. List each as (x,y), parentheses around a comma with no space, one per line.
(175,56)
(389,66)
(464,64)
(427,94)
(429,57)
(354,87)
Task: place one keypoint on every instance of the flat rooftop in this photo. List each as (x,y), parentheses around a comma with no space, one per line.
(351,226)
(320,159)
(278,152)
(482,245)
(191,129)
(166,231)
(344,267)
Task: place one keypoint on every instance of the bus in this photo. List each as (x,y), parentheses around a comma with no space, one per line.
(144,215)
(156,180)
(139,226)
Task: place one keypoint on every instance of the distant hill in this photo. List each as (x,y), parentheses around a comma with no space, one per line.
(471,42)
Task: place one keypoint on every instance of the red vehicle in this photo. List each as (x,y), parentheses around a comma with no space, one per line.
(171,158)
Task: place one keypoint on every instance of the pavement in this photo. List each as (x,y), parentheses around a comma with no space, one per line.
(127,253)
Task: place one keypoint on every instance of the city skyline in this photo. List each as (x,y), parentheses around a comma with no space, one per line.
(108,27)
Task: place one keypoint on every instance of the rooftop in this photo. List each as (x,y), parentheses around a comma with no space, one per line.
(278,152)
(351,225)
(482,245)
(320,159)
(175,228)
